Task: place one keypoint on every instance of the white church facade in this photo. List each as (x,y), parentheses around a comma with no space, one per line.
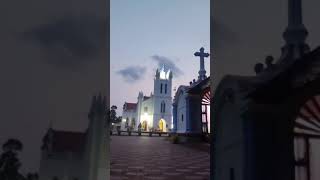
(154,112)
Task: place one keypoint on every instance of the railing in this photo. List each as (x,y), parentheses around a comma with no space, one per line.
(140,133)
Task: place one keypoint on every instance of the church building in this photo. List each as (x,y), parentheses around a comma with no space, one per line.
(268,126)
(69,155)
(191,104)
(154,112)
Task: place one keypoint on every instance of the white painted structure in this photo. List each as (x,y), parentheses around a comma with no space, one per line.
(152,112)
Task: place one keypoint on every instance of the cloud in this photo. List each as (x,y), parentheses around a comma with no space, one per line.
(168,63)
(132,74)
(70,41)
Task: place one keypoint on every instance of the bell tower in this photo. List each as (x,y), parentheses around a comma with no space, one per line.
(162,98)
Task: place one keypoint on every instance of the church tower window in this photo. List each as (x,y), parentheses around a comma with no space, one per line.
(161,88)
(182,117)
(163,107)
(165,89)
(145,109)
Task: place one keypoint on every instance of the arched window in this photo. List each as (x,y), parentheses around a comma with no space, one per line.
(165,88)
(307,140)
(205,111)
(161,88)
(163,107)
(182,117)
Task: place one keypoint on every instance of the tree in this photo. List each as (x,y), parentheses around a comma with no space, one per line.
(9,163)
(32,176)
(113,115)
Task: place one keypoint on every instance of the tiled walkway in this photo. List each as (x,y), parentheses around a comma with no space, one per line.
(155,158)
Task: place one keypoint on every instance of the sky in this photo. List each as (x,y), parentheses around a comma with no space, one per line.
(245,32)
(145,34)
(53,60)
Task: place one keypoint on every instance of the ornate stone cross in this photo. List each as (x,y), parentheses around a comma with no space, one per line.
(202,55)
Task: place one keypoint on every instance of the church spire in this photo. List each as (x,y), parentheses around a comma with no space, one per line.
(296,33)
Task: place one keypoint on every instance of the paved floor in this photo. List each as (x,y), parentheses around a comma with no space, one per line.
(155,158)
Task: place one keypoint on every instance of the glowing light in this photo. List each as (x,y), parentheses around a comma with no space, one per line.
(163,74)
(172,123)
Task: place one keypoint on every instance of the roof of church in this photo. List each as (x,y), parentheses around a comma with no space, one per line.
(67,141)
(284,71)
(129,106)
(198,86)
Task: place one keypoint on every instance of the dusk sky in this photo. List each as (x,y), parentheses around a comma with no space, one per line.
(148,33)
(53,60)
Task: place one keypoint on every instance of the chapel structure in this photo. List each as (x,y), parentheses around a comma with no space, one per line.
(69,155)
(154,112)
(191,104)
(268,126)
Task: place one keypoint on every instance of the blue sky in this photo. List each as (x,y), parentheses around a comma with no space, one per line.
(170,29)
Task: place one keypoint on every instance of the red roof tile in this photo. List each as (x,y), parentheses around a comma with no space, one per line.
(130,106)
(63,141)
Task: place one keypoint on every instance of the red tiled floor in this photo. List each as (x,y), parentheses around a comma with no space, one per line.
(155,158)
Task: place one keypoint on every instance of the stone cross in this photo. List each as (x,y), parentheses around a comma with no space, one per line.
(202,55)
(296,33)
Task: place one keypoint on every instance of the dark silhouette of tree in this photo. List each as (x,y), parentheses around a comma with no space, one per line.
(9,163)
(32,176)
(113,115)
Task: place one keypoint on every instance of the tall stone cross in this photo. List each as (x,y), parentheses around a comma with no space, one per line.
(202,55)
(296,33)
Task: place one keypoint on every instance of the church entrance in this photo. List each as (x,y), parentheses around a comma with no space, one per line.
(162,125)
(205,111)
(144,126)
(307,140)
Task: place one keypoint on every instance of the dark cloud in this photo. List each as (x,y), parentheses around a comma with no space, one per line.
(168,64)
(223,36)
(132,74)
(69,41)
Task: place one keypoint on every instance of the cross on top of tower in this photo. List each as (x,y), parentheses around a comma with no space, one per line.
(202,55)
(296,33)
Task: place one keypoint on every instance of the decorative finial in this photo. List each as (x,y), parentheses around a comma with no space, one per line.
(269,62)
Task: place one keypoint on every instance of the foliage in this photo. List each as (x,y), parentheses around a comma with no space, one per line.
(175,139)
(32,176)
(113,115)
(9,162)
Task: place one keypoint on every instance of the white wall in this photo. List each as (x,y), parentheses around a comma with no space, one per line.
(181,109)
